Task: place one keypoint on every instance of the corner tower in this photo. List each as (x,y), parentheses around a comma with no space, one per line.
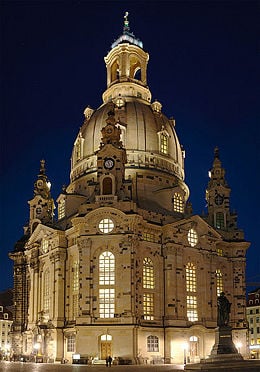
(42,204)
(218,202)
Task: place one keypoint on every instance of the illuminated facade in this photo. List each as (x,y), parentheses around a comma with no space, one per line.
(127,269)
(253,318)
(6,320)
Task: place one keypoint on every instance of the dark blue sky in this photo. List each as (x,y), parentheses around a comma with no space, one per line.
(203,68)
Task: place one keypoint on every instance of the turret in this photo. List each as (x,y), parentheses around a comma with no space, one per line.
(42,204)
(218,202)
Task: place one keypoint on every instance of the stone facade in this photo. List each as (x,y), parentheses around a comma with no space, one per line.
(253,318)
(127,269)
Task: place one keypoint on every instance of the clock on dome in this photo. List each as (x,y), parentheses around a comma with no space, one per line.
(109,163)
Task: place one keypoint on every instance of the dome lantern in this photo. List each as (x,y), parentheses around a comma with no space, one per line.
(126,65)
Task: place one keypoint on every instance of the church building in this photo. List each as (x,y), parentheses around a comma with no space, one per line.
(126,269)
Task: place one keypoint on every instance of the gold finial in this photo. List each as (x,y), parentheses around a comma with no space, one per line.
(42,168)
(216,152)
(126,22)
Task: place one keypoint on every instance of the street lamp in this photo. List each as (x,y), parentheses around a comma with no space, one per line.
(185,348)
(37,347)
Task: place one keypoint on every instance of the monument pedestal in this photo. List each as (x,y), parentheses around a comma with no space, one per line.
(224,346)
(224,356)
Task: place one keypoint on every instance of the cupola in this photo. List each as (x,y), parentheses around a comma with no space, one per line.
(126,65)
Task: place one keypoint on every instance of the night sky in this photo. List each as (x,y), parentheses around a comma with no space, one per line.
(203,68)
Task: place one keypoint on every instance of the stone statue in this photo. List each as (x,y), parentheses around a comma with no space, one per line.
(223,310)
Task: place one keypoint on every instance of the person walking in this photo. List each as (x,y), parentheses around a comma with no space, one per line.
(109,361)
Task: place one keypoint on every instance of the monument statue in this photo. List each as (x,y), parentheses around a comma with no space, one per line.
(223,310)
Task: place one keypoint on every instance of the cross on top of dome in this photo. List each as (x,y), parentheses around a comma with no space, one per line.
(127,36)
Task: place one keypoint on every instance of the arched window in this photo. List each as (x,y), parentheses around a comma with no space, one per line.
(107,269)
(220,221)
(138,74)
(135,68)
(219,282)
(46,291)
(152,343)
(164,146)
(114,71)
(75,289)
(177,202)
(107,186)
(106,285)
(192,237)
(61,209)
(191,298)
(148,273)
(78,151)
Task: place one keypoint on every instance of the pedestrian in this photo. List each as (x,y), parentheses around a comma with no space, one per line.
(109,360)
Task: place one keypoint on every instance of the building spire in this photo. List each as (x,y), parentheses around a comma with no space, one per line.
(42,185)
(127,37)
(42,168)
(126,23)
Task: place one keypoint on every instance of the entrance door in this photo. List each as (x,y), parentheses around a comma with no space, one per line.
(106,349)
(194,349)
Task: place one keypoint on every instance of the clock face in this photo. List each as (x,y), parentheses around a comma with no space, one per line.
(39,183)
(109,163)
(219,199)
(109,129)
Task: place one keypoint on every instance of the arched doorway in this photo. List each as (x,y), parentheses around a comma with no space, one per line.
(105,346)
(107,186)
(194,349)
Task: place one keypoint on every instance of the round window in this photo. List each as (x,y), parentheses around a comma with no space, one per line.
(192,237)
(106,225)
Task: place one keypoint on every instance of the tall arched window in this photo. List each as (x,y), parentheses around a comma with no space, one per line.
(114,71)
(75,289)
(191,288)
(219,282)
(107,186)
(164,146)
(148,273)
(46,291)
(106,285)
(61,209)
(220,221)
(177,202)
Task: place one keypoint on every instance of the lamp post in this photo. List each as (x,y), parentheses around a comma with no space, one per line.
(185,348)
(36,346)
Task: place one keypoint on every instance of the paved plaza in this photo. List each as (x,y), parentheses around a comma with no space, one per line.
(43,367)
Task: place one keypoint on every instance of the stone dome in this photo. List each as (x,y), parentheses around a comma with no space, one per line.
(148,136)
(141,125)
